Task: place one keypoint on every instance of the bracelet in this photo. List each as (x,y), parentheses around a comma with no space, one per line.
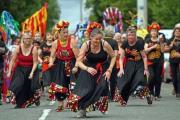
(75,66)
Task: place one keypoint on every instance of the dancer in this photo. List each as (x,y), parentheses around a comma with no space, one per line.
(174,49)
(132,76)
(154,48)
(91,88)
(25,81)
(62,59)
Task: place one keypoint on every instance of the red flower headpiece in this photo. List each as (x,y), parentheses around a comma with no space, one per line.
(92,26)
(154,25)
(61,25)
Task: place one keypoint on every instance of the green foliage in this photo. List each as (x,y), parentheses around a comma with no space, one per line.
(165,12)
(23,9)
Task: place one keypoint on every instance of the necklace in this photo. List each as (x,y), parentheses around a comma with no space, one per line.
(63,42)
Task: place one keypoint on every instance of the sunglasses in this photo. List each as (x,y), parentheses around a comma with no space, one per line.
(131,29)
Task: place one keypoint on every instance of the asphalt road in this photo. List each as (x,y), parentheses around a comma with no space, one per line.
(168,108)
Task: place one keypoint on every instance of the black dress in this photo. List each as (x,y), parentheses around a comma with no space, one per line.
(133,80)
(91,91)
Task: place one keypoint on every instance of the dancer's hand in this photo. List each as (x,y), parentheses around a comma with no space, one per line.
(74,70)
(146,72)
(120,73)
(154,46)
(30,75)
(8,74)
(50,65)
(91,70)
(107,74)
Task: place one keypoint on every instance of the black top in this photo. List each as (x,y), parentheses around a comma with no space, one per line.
(133,52)
(95,58)
(173,50)
(154,55)
(112,43)
(45,51)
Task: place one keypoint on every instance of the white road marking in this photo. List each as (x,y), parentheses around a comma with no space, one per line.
(46,111)
(45,114)
(52,103)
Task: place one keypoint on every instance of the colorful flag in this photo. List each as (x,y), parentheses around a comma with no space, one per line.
(8,26)
(37,22)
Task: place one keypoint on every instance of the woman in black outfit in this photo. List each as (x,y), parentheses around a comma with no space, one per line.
(154,48)
(132,76)
(91,90)
(174,49)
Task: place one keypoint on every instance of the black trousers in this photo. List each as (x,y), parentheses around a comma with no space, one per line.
(155,78)
(175,68)
(132,78)
(113,83)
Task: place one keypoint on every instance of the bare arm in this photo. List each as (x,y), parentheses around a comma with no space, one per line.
(53,50)
(81,56)
(35,60)
(39,56)
(148,49)
(111,53)
(13,60)
(143,54)
(74,46)
(122,54)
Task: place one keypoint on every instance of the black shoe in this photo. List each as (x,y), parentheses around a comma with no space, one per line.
(17,107)
(149,100)
(37,103)
(177,95)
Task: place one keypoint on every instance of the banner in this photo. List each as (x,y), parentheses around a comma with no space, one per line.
(37,22)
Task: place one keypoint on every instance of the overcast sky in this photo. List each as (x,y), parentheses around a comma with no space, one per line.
(70,11)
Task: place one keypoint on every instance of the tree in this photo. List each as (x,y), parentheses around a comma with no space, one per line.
(23,9)
(165,12)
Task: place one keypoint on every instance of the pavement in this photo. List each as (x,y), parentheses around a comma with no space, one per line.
(168,108)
